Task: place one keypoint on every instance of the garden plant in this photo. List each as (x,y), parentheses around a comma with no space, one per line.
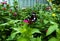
(40,23)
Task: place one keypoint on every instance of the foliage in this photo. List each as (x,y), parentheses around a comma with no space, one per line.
(14,28)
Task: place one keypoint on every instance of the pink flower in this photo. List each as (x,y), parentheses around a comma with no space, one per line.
(48,8)
(5,2)
(15,14)
(26,21)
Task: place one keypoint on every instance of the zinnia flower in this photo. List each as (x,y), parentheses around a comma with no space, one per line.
(15,14)
(48,8)
(26,21)
(5,2)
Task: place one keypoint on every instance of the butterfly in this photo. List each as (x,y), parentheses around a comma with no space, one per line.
(31,19)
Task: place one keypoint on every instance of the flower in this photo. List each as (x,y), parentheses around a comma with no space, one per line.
(5,2)
(26,21)
(15,14)
(48,8)
(53,14)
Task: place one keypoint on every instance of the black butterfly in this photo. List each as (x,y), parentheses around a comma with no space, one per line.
(32,18)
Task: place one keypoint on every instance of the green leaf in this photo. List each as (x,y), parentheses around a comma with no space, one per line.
(36,39)
(35,31)
(13,21)
(16,29)
(53,39)
(58,33)
(20,29)
(12,36)
(22,39)
(4,24)
(45,21)
(51,29)
(10,22)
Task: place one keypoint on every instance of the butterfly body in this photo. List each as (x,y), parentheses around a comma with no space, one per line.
(32,18)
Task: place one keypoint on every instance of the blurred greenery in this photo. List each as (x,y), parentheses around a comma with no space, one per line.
(45,28)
